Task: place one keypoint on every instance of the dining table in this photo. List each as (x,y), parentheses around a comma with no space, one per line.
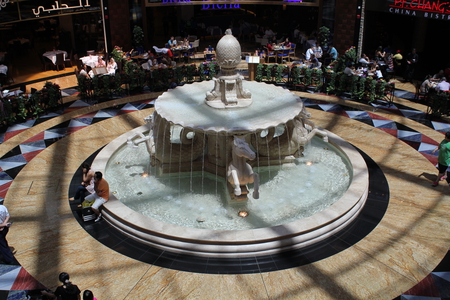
(52,55)
(90,60)
(141,58)
(3,69)
(279,49)
(8,93)
(21,40)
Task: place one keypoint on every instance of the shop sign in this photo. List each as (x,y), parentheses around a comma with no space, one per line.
(59,7)
(431,9)
(225,5)
(3,3)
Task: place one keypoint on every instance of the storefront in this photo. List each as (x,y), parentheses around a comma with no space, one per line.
(65,24)
(406,24)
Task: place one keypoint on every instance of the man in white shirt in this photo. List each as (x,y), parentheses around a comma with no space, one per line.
(443,86)
(364,61)
(7,255)
(309,52)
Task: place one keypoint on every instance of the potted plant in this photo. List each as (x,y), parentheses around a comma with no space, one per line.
(323,37)
(138,38)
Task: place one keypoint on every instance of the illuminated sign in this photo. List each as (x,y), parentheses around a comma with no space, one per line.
(56,6)
(221,6)
(421,8)
(3,3)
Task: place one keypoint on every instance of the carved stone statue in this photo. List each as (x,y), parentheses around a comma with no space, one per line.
(165,151)
(240,172)
(297,133)
(228,91)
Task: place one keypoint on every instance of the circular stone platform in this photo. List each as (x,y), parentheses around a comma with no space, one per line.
(239,243)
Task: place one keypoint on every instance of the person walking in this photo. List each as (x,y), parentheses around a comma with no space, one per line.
(67,291)
(443,158)
(411,60)
(8,257)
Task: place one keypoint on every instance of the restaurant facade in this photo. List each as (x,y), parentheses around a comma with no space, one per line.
(367,24)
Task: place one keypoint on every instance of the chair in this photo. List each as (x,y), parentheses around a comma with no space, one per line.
(419,96)
(176,54)
(196,44)
(271,54)
(45,61)
(292,51)
(60,61)
(190,54)
(69,59)
(90,52)
(284,53)
(209,56)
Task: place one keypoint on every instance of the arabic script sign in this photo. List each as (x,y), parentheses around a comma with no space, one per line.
(432,9)
(58,7)
(3,3)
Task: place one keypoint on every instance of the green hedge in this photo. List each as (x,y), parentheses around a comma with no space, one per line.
(16,109)
(133,79)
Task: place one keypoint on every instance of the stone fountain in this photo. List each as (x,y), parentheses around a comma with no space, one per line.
(220,128)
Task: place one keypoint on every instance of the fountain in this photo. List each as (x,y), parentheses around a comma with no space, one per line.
(227,130)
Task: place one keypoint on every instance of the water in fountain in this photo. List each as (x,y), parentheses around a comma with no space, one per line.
(201,200)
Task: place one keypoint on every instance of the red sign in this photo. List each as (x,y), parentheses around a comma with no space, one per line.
(432,9)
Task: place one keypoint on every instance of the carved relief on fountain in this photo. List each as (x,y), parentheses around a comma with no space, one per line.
(296,134)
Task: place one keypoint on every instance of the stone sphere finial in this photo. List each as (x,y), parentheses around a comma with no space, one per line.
(228,52)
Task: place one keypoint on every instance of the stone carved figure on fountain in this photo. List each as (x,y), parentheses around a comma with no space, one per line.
(140,137)
(240,173)
(228,91)
(165,151)
(297,133)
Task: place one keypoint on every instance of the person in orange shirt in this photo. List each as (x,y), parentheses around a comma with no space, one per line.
(100,195)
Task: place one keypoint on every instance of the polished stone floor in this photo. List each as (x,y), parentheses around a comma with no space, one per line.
(39,158)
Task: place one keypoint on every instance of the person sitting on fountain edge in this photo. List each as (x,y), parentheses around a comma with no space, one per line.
(101,194)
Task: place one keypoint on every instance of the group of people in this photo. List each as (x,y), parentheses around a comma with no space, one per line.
(68,291)
(437,82)
(173,43)
(111,67)
(95,186)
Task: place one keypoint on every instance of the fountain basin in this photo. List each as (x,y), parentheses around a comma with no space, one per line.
(240,243)
(186,106)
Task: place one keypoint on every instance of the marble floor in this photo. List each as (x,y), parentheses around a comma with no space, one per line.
(38,160)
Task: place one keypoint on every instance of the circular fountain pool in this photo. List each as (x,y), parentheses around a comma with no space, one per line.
(290,234)
(191,190)
(288,192)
